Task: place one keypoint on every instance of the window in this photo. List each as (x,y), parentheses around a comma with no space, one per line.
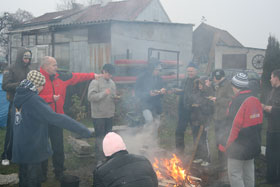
(62,56)
(44,38)
(16,40)
(60,37)
(32,40)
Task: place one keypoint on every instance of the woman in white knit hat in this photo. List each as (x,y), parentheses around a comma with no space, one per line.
(121,168)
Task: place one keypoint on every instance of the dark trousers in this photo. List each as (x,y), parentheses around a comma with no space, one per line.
(203,147)
(184,119)
(273,157)
(101,127)
(8,145)
(56,138)
(219,135)
(30,175)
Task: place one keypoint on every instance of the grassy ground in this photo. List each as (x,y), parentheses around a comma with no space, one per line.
(77,166)
(83,167)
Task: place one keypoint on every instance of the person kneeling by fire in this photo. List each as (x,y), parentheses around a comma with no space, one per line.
(201,111)
(122,168)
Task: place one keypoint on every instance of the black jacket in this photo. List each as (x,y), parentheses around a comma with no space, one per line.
(15,74)
(125,170)
(146,83)
(273,117)
(185,100)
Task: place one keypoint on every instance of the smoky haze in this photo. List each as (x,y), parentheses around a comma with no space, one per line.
(143,140)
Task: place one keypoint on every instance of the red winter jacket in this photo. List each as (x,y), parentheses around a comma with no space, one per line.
(245,116)
(57,86)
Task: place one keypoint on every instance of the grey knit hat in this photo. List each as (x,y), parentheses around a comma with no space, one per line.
(240,80)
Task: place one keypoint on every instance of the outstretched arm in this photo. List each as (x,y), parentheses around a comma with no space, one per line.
(43,110)
(80,77)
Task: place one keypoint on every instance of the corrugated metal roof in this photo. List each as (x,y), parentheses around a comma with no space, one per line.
(126,10)
(53,16)
(223,36)
(121,10)
(63,25)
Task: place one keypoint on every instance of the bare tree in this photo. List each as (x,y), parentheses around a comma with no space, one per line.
(22,15)
(67,5)
(7,21)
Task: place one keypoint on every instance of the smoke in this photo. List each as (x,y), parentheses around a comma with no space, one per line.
(143,140)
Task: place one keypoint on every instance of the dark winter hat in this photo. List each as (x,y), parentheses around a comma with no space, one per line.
(36,78)
(218,74)
(109,68)
(193,65)
(240,80)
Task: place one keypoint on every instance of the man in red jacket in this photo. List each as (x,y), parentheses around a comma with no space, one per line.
(54,93)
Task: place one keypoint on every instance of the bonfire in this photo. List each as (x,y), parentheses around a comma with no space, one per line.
(171,173)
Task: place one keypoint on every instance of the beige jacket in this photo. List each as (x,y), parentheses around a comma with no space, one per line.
(102,105)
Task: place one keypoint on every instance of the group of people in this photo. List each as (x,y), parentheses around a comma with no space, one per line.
(36,115)
(237,115)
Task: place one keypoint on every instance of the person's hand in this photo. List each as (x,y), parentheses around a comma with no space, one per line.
(108,91)
(163,91)
(177,90)
(97,76)
(267,108)
(213,99)
(56,97)
(154,92)
(117,97)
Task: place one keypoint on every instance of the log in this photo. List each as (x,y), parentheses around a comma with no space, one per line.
(8,180)
(81,147)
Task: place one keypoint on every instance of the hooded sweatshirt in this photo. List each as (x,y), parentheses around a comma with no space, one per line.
(15,74)
(31,116)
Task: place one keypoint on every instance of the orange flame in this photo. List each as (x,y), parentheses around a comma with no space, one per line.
(170,168)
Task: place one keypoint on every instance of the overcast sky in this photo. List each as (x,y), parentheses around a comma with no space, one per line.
(249,21)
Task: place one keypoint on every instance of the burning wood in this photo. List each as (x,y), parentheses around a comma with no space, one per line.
(172,174)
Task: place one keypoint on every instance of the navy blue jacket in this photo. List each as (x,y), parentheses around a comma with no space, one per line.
(31,116)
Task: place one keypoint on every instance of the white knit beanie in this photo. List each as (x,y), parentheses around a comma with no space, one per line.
(113,143)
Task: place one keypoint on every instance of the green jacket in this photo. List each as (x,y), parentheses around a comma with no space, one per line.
(223,94)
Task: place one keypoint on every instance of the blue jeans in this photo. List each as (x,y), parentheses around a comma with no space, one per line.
(8,145)
(30,175)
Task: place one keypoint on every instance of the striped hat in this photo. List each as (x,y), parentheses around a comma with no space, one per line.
(240,80)
(36,78)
